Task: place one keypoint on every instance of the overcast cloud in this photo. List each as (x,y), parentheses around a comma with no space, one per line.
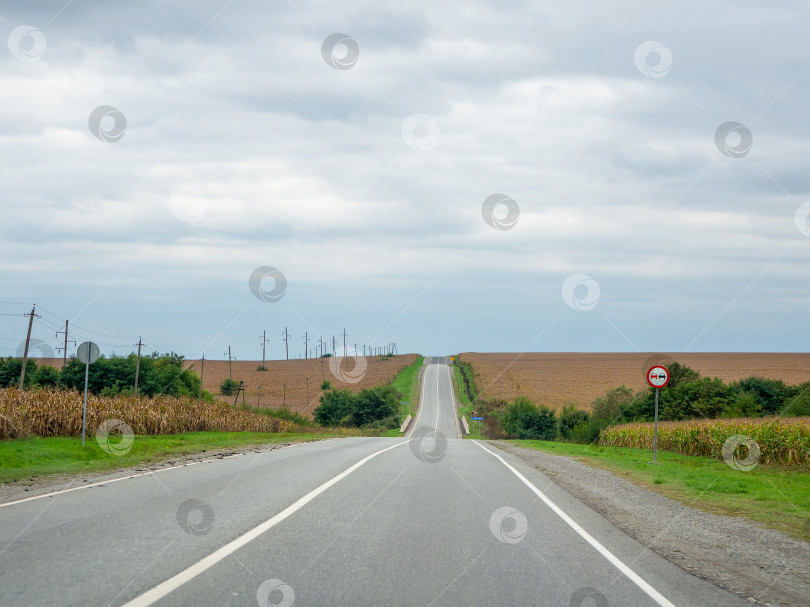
(231,143)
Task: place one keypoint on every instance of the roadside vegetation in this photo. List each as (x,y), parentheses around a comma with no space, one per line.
(775,495)
(34,457)
(407,384)
(700,414)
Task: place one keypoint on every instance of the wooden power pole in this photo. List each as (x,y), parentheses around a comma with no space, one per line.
(27,341)
(138,365)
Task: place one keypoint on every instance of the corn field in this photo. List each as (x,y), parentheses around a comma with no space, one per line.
(59,413)
(780,440)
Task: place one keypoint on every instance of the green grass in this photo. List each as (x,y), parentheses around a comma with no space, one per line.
(22,459)
(465,404)
(407,384)
(776,496)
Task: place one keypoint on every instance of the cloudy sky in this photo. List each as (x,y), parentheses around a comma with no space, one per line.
(450,176)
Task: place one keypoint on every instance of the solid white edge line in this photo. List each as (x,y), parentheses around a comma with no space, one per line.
(147,473)
(173,583)
(421,402)
(614,560)
(457,424)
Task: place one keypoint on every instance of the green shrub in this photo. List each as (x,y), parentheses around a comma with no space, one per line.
(570,418)
(800,405)
(525,420)
(228,387)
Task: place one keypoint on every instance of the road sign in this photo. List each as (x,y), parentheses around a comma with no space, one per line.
(477,419)
(658,376)
(88,353)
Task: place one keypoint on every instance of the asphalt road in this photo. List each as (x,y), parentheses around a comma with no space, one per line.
(426,520)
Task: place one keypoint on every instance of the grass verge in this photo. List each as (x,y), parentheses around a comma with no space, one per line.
(26,458)
(407,384)
(465,404)
(777,496)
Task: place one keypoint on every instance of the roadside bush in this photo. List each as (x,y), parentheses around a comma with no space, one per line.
(798,406)
(228,387)
(772,394)
(525,420)
(571,418)
(336,406)
(377,407)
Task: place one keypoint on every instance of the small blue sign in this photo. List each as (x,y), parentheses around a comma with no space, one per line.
(477,419)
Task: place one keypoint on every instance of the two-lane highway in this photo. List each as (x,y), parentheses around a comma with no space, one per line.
(430,519)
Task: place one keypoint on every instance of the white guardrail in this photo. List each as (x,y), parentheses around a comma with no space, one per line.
(465,424)
(404,425)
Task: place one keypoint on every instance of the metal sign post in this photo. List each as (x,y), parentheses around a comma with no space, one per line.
(87,353)
(475,417)
(657,377)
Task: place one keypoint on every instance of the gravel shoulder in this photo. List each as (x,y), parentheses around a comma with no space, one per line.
(762,565)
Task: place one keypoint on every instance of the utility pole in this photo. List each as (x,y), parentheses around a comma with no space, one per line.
(286,345)
(64,351)
(264,342)
(306,344)
(202,370)
(230,358)
(27,341)
(344,343)
(333,345)
(138,366)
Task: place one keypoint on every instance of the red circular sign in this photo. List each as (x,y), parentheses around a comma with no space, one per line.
(658,376)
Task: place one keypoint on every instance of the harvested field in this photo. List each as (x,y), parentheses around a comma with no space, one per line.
(556,379)
(267,388)
(285,381)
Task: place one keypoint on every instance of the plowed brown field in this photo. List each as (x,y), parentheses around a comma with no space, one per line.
(291,374)
(285,381)
(556,379)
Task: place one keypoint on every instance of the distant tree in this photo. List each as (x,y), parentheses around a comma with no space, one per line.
(525,420)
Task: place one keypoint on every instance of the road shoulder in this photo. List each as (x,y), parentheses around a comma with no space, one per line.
(758,564)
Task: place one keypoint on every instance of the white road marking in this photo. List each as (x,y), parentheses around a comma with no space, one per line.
(163,589)
(421,401)
(123,478)
(438,408)
(614,560)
